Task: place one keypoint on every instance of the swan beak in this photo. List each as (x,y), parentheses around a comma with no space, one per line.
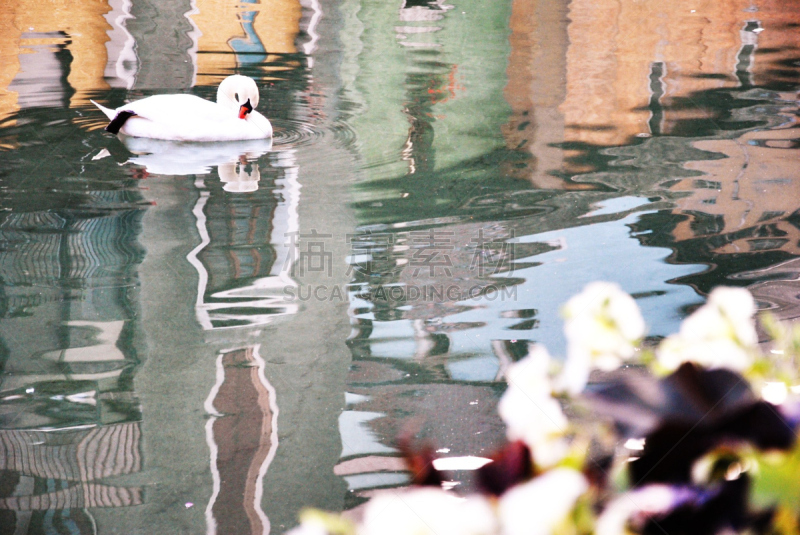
(244,109)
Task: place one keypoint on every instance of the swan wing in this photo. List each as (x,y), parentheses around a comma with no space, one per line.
(177,109)
(259,123)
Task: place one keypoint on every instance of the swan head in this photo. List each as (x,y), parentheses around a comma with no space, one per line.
(239,93)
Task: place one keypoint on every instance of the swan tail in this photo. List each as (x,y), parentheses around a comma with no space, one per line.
(109,113)
(119,120)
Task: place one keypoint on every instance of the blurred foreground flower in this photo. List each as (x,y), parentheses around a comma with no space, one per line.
(634,508)
(541,505)
(686,415)
(694,452)
(427,511)
(603,326)
(529,411)
(538,507)
(689,510)
(719,334)
(316,522)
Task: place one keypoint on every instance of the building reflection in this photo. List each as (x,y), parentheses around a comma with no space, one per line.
(65,54)
(414,364)
(52,55)
(70,334)
(411,368)
(535,89)
(246,244)
(613,80)
(663,73)
(249,224)
(663,70)
(242,434)
(627,61)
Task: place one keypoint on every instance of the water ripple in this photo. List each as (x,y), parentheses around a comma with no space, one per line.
(288,133)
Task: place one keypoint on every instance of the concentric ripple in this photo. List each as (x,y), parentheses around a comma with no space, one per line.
(289,133)
(292,133)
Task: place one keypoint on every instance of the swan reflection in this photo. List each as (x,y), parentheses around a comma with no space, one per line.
(236,178)
(235,160)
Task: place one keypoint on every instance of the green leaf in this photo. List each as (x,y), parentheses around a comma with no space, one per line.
(775,482)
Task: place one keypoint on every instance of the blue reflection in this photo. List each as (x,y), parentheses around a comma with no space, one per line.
(249,50)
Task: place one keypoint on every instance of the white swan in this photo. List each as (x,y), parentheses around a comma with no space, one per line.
(190,118)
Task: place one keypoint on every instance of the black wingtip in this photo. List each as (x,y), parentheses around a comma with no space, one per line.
(117,122)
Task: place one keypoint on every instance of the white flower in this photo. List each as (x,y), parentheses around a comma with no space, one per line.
(719,334)
(542,504)
(310,527)
(538,421)
(427,511)
(604,319)
(645,502)
(530,412)
(575,373)
(603,325)
(774,392)
(317,522)
(738,307)
(531,373)
(719,353)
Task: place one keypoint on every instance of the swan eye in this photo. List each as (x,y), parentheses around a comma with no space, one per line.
(236,96)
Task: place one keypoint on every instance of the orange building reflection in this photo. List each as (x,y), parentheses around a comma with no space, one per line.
(536,72)
(622,53)
(27,27)
(637,69)
(627,58)
(243,437)
(750,194)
